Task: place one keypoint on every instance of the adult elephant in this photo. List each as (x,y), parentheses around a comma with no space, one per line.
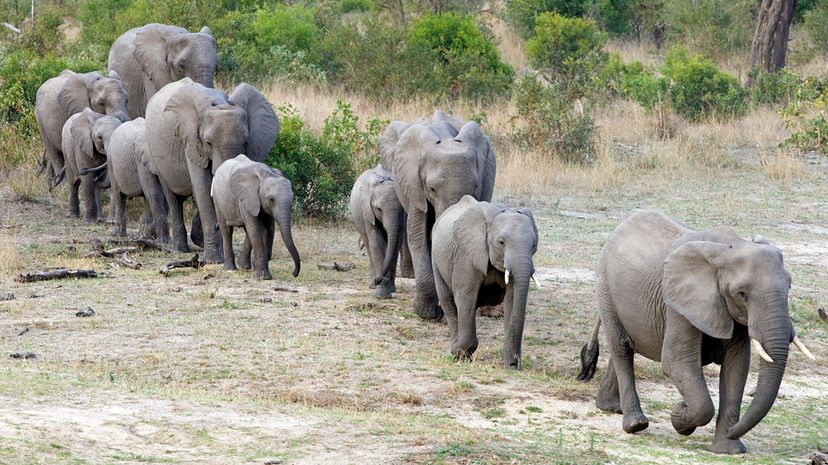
(435,165)
(68,93)
(689,298)
(190,131)
(152,56)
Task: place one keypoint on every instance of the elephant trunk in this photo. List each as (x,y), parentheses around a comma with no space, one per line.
(392,227)
(774,334)
(204,76)
(283,220)
(521,272)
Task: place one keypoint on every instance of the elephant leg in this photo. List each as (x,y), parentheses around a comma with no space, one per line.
(732,379)
(74,199)
(147,223)
(227,243)
(256,233)
(90,200)
(270,235)
(154,197)
(393,274)
(119,200)
(465,299)
(447,301)
(621,354)
(377,246)
(247,251)
(608,398)
(179,232)
(111,217)
(406,265)
(681,362)
(196,231)
(201,180)
(425,297)
(364,237)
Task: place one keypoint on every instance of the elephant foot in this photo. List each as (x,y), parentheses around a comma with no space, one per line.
(635,422)
(427,310)
(119,232)
(229,266)
(264,274)
(383,293)
(89,221)
(727,446)
(406,273)
(608,405)
(213,257)
(684,422)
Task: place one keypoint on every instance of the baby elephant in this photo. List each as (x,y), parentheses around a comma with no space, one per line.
(255,197)
(85,138)
(378,216)
(482,255)
(689,298)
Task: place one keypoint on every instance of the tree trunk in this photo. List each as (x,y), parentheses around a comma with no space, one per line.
(770,42)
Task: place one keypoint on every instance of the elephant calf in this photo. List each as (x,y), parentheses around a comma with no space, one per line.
(378,216)
(482,255)
(85,138)
(256,197)
(689,298)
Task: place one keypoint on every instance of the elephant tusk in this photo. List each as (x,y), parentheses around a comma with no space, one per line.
(761,350)
(507,275)
(799,345)
(536,282)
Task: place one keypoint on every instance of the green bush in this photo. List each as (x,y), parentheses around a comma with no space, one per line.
(291,27)
(816,24)
(811,136)
(342,129)
(698,90)
(559,39)
(549,120)
(716,28)
(523,13)
(348,6)
(616,16)
(781,87)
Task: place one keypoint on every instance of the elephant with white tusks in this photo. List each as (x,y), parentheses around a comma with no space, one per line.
(689,298)
(66,94)
(86,135)
(378,216)
(257,198)
(191,130)
(482,255)
(149,57)
(435,165)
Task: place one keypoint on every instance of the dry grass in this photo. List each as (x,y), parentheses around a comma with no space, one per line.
(783,166)
(25,184)
(508,42)
(628,50)
(9,256)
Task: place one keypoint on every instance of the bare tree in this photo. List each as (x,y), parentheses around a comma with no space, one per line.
(770,42)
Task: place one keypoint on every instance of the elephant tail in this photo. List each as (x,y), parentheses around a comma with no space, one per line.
(58,178)
(589,355)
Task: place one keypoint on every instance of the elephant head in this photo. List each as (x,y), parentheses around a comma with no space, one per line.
(215,127)
(103,94)
(724,280)
(102,130)
(435,165)
(385,207)
(168,56)
(263,189)
(506,240)
(91,132)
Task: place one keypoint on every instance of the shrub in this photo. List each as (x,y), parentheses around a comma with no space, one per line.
(348,6)
(342,129)
(45,35)
(291,27)
(780,87)
(812,135)
(523,13)
(698,90)
(552,121)
(616,16)
(717,28)
(558,40)
(816,24)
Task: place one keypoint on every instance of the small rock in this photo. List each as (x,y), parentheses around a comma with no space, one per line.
(274,462)
(23,355)
(6,296)
(822,315)
(85,313)
(266,300)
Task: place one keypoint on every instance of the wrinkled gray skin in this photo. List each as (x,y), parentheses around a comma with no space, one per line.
(68,93)
(689,298)
(387,145)
(379,218)
(85,138)
(474,243)
(131,175)
(191,130)
(257,198)
(436,164)
(149,57)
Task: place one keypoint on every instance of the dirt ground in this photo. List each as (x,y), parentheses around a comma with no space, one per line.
(214,367)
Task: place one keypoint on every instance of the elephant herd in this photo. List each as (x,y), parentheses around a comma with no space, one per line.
(154,127)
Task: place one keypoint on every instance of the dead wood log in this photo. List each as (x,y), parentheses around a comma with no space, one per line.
(141,243)
(191,263)
(111,253)
(336,266)
(125,260)
(820,457)
(59,273)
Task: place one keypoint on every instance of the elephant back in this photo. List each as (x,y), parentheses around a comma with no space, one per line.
(127,149)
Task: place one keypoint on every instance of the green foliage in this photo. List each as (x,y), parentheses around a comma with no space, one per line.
(549,119)
(291,27)
(342,129)
(640,84)
(523,13)
(616,16)
(698,90)
(45,36)
(812,135)
(349,6)
(816,24)
(559,39)
(716,28)
(783,87)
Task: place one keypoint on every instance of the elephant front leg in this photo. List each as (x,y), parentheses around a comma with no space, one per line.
(179,231)
(447,301)
(227,242)
(465,299)
(74,200)
(376,249)
(256,232)
(406,264)
(201,179)
(154,198)
(621,355)
(732,379)
(119,200)
(425,297)
(681,362)
(91,200)
(246,252)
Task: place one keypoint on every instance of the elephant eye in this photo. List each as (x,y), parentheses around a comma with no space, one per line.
(742,295)
(501,241)
(209,143)
(432,189)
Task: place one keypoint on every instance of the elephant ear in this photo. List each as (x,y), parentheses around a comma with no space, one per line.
(471,230)
(441,116)
(81,132)
(528,213)
(187,103)
(472,134)
(246,181)
(388,143)
(367,209)
(74,95)
(151,54)
(690,286)
(408,161)
(262,122)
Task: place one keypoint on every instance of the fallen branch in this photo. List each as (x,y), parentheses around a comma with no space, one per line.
(336,266)
(125,260)
(111,253)
(820,457)
(141,243)
(59,273)
(285,289)
(191,263)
